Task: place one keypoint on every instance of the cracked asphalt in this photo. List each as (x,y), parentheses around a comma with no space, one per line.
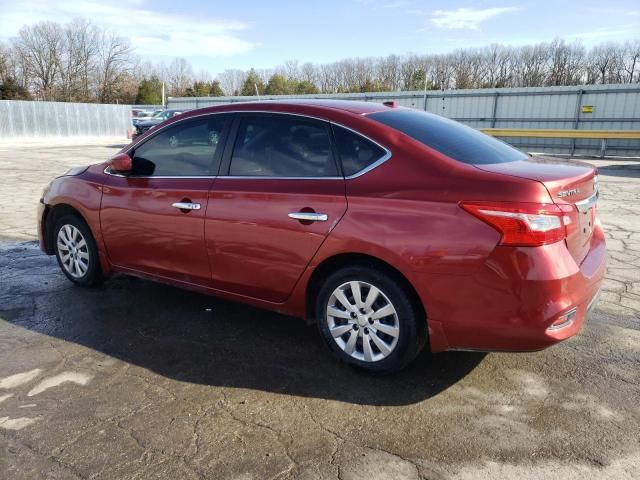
(136,380)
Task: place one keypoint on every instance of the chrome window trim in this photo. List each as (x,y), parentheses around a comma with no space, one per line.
(365,170)
(375,164)
(106,171)
(263,177)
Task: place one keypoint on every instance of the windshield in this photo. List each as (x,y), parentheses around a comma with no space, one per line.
(159,114)
(450,138)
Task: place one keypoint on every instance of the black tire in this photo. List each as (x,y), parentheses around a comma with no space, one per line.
(93,274)
(409,318)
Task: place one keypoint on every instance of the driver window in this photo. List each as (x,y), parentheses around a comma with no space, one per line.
(187,149)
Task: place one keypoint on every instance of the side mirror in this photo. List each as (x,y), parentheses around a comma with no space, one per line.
(120,163)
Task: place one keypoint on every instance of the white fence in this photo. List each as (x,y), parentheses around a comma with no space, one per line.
(22,119)
(584,107)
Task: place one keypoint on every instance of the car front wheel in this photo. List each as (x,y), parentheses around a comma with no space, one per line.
(76,251)
(369,320)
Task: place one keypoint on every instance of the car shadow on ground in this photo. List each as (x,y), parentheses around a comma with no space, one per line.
(195,338)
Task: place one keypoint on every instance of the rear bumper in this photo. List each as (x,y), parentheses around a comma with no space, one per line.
(513,302)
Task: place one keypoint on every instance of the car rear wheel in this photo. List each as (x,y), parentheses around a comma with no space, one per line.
(76,251)
(368,320)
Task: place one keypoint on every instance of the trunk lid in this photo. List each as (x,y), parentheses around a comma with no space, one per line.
(572,185)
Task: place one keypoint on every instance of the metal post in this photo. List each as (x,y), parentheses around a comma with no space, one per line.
(495,110)
(603,147)
(425,89)
(576,121)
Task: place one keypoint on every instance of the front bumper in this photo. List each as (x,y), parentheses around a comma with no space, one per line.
(40,220)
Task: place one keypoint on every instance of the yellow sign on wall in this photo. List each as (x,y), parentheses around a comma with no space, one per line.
(587,109)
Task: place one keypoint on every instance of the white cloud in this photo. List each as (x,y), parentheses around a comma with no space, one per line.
(466,18)
(152,33)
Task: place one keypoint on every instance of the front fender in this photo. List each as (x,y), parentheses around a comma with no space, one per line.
(82,194)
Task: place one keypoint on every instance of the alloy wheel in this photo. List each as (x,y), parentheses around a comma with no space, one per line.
(362,321)
(73,251)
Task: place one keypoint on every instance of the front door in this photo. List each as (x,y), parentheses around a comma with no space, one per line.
(279,197)
(152,220)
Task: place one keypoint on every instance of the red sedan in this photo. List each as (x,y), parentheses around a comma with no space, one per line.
(389,228)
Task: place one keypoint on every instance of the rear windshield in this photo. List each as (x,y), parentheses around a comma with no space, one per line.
(453,139)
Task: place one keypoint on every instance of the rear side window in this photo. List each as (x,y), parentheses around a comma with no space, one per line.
(356,152)
(282,146)
(453,139)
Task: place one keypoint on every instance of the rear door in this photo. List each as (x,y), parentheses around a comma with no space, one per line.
(279,194)
(152,220)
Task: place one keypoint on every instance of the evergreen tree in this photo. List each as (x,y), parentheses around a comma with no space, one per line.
(199,89)
(215,90)
(306,87)
(250,84)
(149,92)
(278,85)
(11,90)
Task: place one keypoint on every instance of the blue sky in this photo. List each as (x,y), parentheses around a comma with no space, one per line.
(216,35)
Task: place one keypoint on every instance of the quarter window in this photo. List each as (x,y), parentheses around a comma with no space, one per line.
(187,149)
(282,146)
(356,152)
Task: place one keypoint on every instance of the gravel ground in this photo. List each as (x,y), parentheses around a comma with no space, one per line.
(140,380)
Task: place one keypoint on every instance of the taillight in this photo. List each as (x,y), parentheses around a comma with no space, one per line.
(522,224)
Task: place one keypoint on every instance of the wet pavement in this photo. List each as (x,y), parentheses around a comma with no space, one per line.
(139,380)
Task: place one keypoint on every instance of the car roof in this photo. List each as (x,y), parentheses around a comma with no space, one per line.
(352,106)
(349,106)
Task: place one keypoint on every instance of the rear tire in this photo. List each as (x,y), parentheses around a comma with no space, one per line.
(381,331)
(76,251)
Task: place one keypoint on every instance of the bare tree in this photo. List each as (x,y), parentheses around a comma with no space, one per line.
(179,77)
(79,61)
(5,62)
(76,60)
(602,63)
(328,78)
(308,73)
(292,69)
(232,80)
(113,65)
(203,76)
(632,61)
(39,47)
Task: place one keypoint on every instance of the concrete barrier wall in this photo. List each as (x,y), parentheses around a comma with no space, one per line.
(35,120)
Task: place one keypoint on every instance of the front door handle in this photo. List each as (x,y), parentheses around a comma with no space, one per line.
(309,216)
(186,205)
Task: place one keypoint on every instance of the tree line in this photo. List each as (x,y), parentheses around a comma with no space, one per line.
(82,62)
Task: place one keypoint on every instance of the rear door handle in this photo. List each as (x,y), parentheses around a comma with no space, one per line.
(186,205)
(309,216)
